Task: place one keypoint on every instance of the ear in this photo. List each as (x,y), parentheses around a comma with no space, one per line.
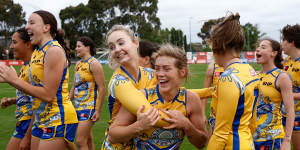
(293,44)
(183,72)
(147,60)
(46,28)
(136,42)
(274,53)
(28,45)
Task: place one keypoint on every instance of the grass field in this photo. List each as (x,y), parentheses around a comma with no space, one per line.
(8,120)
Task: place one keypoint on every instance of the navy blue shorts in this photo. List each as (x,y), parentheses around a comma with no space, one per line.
(268,145)
(67,131)
(84,115)
(21,129)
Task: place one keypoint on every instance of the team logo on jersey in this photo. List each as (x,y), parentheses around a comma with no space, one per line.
(252,72)
(150,73)
(267,83)
(36,61)
(83,69)
(163,137)
(120,79)
(295,70)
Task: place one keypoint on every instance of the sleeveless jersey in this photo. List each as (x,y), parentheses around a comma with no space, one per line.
(146,79)
(269,117)
(86,89)
(159,138)
(60,110)
(292,67)
(217,72)
(235,101)
(24,101)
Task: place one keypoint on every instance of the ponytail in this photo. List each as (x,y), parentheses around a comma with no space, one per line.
(227,35)
(278,60)
(59,36)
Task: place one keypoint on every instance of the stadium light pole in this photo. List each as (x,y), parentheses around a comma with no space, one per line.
(190,19)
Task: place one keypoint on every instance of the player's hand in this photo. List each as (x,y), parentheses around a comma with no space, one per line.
(177,119)
(5,101)
(285,145)
(25,143)
(96,116)
(147,119)
(1,79)
(8,74)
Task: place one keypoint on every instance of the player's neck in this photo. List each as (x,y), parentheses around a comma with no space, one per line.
(132,69)
(168,96)
(268,67)
(85,57)
(27,57)
(295,53)
(231,61)
(45,40)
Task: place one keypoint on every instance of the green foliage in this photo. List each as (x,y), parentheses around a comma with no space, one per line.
(174,36)
(12,16)
(205,30)
(98,16)
(252,34)
(81,21)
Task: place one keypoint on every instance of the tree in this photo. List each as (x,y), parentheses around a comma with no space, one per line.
(98,16)
(11,17)
(78,21)
(252,34)
(206,28)
(174,36)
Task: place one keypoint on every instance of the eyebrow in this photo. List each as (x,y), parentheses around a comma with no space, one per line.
(164,65)
(117,41)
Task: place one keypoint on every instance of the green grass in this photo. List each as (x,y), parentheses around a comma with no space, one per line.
(8,120)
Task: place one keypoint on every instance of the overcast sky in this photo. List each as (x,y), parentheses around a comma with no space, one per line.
(270,15)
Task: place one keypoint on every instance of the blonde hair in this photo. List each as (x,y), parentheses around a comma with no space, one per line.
(111,62)
(175,52)
(119,27)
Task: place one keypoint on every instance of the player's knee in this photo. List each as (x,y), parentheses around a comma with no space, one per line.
(90,138)
(81,141)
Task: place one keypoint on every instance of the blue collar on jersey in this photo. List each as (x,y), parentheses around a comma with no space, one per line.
(297,59)
(272,70)
(27,62)
(46,44)
(87,59)
(233,63)
(161,99)
(139,77)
